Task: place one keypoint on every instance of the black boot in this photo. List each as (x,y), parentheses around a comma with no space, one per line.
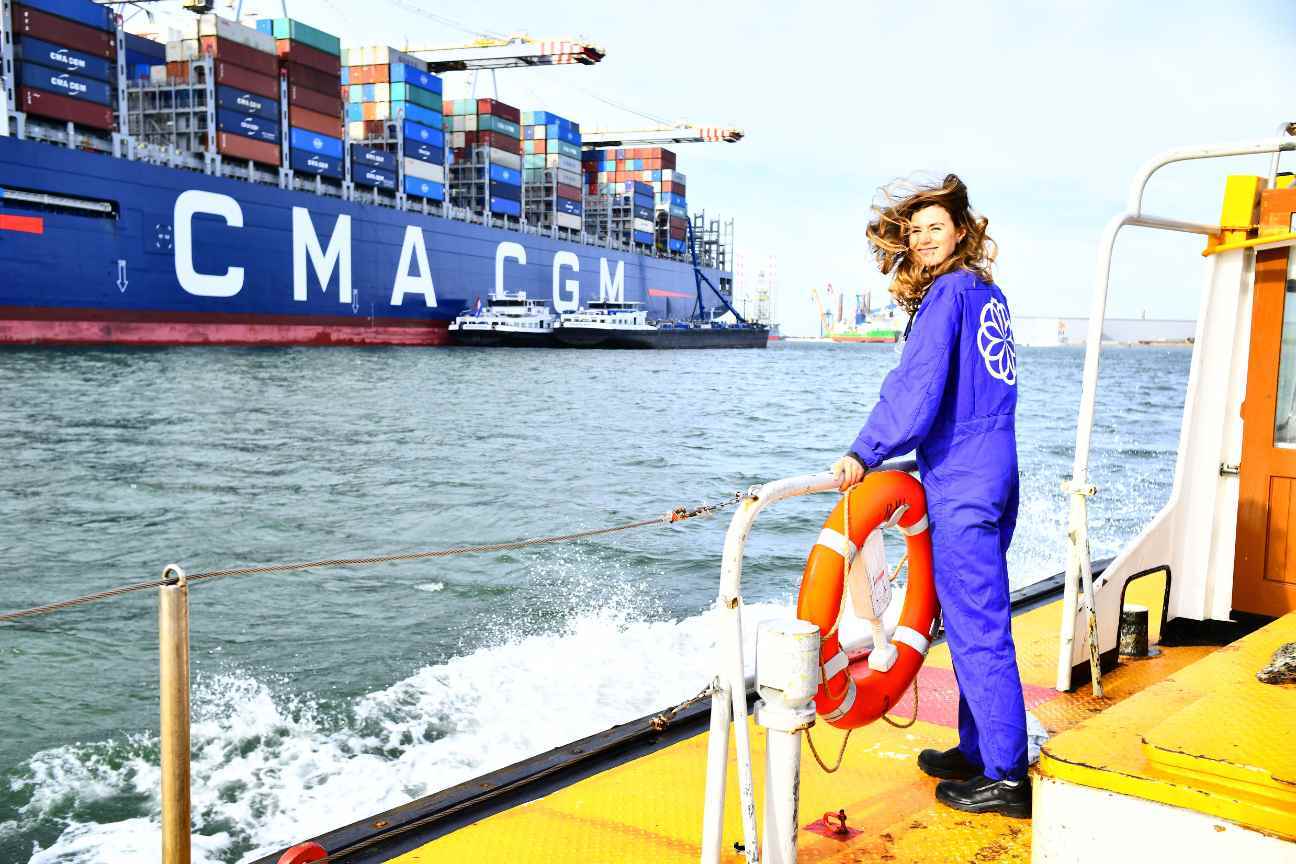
(950,765)
(983,795)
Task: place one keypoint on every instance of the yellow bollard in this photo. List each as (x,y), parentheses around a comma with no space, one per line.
(173,636)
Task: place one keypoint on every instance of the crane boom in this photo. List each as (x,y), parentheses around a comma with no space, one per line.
(683,133)
(507,53)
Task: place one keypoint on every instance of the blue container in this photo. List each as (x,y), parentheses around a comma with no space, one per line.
(417,113)
(80,11)
(315,163)
(247,103)
(65,59)
(425,153)
(642,212)
(64,84)
(417,133)
(377,178)
(505,206)
(506,190)
(373,157)
(417,77)
(566,205)
(346,75)
(139,71)
(500,174)
(149,48)
(675,245)
(644,237)
(256,128)
(313,142)
(563,132)
(425,189)
(643,201)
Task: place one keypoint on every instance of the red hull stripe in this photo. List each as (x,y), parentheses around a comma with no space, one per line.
(659,292)
(75,332)
(25,224)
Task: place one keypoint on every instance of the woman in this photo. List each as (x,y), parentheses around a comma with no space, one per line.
(953,397)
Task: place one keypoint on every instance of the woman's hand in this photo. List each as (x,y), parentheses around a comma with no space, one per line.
(848,471)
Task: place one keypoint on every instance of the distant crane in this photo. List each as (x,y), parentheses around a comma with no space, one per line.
(510,52)
(681,133)
(825,317)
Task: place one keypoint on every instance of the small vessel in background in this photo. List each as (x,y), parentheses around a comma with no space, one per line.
(510,320)
(625,324)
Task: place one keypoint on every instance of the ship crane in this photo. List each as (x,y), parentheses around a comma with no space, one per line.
(510,52)
(681,133)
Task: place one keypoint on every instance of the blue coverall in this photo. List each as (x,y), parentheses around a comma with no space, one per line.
(953,396)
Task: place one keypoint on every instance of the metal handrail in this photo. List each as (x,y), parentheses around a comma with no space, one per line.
(1079,572)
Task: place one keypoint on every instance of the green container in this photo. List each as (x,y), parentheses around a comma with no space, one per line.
(417,95)
(533,161)
(491,123)
(572,150)
(287,28)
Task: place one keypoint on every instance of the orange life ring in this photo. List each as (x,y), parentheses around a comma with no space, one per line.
(851,694)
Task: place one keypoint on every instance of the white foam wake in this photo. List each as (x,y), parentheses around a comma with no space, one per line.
(271,770)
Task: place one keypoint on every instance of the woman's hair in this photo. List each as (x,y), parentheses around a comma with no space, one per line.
(888,235)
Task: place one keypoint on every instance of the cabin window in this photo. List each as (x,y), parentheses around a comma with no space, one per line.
(1285,415)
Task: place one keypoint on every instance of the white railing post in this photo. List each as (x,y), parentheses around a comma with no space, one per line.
(173,638)
(787,676)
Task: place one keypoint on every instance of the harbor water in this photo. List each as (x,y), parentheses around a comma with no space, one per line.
(326,696)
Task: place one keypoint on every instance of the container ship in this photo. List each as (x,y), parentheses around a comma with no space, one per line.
(266,185)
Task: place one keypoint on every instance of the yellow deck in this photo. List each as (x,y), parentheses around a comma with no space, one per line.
(1211,738)
(650,809)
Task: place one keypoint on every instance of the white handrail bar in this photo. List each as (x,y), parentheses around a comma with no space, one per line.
(1079,572)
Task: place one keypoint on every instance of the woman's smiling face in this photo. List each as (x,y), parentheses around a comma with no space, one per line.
(932,237)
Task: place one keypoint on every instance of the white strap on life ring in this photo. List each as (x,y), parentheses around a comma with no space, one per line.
(837,663)
(846,704)
(913,530)
(837,542)
(912,638)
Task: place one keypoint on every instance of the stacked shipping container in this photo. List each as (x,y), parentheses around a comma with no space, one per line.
(142,55)
(606,172)
(551,168)
(389,92)
(485,138)
(67,61)
(310,61)
(245,73)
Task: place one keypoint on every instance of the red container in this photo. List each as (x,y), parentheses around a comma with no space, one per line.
(315,121)
(569,192)
(672,186)
(58,107)
(311,79)
(236,76)
(60,31)
(499,109)
(496,140)
(308,56)
(178,70)
(677,233)
(678,222)
(241,55)
(323,103)
(238,147)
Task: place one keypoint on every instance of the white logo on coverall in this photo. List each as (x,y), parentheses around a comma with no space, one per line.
(995,340)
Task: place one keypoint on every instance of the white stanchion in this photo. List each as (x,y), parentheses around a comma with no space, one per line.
(787,675)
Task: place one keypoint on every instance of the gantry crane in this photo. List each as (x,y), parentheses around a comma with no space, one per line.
(682,133)
(505,53)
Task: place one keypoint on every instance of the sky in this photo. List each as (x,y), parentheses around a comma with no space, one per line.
(1045,109)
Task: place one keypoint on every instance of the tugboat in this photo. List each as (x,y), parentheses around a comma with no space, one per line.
(1178,752)
(509,320)
(625,324)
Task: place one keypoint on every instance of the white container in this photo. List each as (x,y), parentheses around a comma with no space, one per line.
(356,130)
(569,178)
(215,25)
(567,220)
(179,52)
(379,55)
(643,225)
(470,122)
(504,158)
(157,74)
(424,170)
(382,92)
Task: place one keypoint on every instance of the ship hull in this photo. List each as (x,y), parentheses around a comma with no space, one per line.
(503,339)
(592,337)
(180,257)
